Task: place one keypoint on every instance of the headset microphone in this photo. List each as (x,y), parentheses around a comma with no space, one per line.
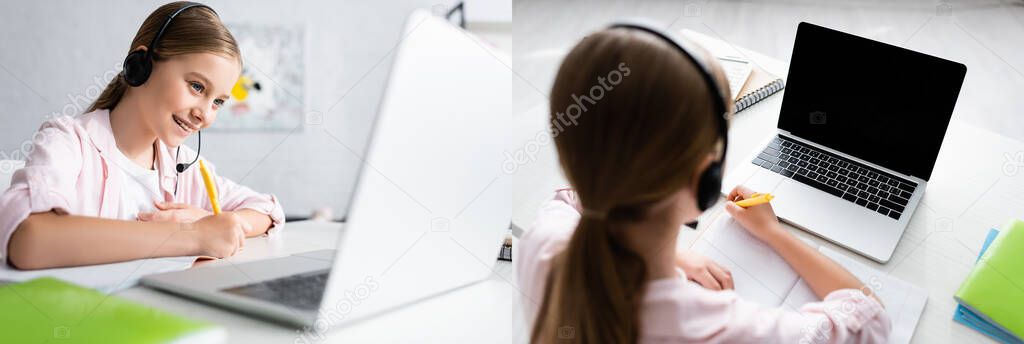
(183,166)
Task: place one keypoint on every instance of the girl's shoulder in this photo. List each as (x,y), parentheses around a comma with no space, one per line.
(98,118)
(66,124)
(88,128)
(556,219)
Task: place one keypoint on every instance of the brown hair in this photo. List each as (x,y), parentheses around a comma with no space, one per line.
(623,148)
(196,30)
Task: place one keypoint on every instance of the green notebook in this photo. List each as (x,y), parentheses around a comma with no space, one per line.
(995,288)
(53,311)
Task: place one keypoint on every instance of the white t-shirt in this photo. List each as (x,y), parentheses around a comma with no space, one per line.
(140,189)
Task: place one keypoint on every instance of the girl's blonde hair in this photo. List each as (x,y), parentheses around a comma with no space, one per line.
(196,30)
(641,128)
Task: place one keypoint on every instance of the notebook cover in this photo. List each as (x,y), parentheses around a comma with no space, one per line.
(759,86)
(50,310)
(964,316)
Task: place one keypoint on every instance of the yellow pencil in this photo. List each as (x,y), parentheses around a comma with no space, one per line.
(211,189)
(755,200)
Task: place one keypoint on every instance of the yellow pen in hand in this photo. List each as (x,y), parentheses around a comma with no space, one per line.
(211,189)
(755,199)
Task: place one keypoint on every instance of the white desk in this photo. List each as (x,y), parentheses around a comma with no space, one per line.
(969,192)
(967,195)
(479,313)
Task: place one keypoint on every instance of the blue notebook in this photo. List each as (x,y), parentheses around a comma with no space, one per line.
(965,316)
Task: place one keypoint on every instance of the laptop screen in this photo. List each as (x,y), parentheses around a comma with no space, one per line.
(878,102)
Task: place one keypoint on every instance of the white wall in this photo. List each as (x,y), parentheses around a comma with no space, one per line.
(55,54)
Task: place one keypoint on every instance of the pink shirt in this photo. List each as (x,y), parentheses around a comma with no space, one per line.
(678,311)
(70,171)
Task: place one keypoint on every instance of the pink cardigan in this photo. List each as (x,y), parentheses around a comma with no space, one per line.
(678,311)
(68,171)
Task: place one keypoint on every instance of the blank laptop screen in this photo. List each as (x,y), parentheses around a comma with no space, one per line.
(878,102)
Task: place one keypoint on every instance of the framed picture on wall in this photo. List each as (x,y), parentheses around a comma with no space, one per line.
(270,95)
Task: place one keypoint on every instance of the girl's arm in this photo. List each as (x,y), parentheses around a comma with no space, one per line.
(262,211)
(48,240)
(181,212)
(821,273)
(258,222)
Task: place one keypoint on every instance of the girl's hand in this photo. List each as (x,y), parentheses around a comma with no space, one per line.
(220,235)
(173,212)
(759,220)
(704,271)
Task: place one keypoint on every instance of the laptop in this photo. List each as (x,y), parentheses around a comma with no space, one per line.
(860,127)
(430,208)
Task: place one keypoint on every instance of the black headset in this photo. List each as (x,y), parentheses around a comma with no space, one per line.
(139,65)
(710,183)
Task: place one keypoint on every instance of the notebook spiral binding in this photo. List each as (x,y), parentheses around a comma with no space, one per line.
(760,94)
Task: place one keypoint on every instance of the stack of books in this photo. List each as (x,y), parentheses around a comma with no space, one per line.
(992,297)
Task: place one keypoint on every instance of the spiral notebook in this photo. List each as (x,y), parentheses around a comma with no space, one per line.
(748,82)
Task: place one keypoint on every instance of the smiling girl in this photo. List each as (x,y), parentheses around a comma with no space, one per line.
(103,186)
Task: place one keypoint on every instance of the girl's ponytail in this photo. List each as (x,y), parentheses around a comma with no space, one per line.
(594,289)
(631,120)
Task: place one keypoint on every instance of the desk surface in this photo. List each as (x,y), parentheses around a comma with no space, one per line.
(488,305)
(976,185)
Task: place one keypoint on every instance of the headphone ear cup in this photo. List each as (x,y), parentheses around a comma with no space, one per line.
(709,186)
(137,67)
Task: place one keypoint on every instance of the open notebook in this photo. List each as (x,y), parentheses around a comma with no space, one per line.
(762,276)
(106,278)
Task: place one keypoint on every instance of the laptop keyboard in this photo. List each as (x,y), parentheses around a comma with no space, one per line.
(302,291)
(862,185)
